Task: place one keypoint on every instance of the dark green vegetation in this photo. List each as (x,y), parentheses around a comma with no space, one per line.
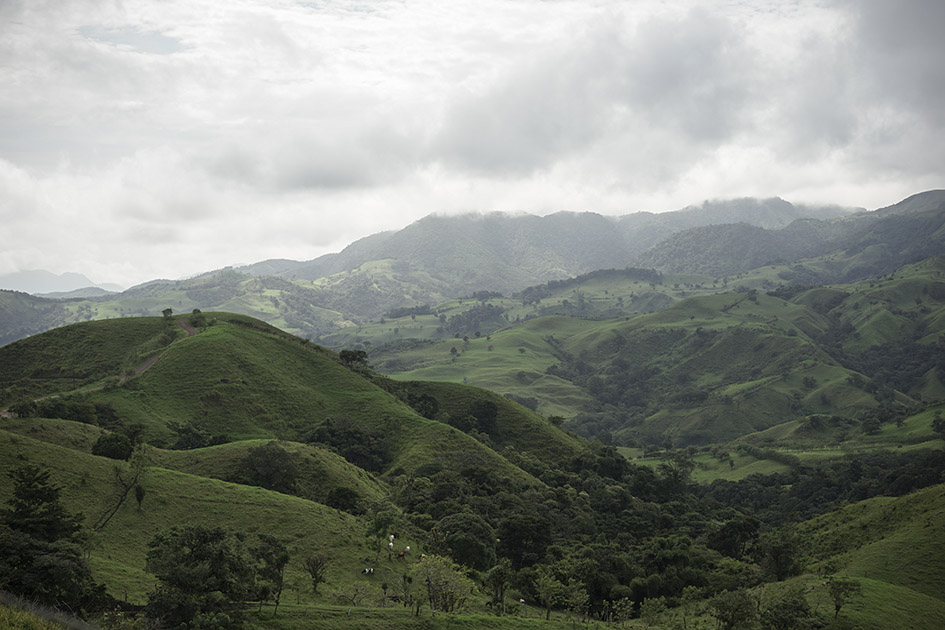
(289,470)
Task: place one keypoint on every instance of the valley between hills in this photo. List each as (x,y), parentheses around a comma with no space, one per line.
(495,422)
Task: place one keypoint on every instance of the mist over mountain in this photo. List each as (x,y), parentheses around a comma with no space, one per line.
(440,258)
(869,242)
(507,253)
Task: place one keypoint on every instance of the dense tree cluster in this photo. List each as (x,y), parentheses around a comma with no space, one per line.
(41,555)
(207,574)
(359,445)
(270,466)
(73,408)
(409,311)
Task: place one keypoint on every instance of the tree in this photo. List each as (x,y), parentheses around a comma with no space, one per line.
(271,467)
(575,598)
(938,424)
(378,530)
(271,556)
(734,609)
(35,508)
(41,558)
(548,588)
(127,476)
(204,573)
(676,471)
(523,538)
(780,554)
(190,436)
(447,587)
(485,412)
(841,591)
(113,445)
(497,581)
(198,319)
(317,568)
(353,358)
(788,610)
(470,540)
(651,609)
(342,498)
(734,536)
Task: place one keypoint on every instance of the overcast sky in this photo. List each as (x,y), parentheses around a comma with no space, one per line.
(145,139)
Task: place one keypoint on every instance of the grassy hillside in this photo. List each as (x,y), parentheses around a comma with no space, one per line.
(238,379)
(73,356)
(295,306)
(886,539)
(885,542)
(320,470)
(711,367)
(465,472)
(175,498)
(600,294)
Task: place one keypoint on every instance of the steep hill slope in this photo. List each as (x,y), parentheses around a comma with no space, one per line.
(884,543)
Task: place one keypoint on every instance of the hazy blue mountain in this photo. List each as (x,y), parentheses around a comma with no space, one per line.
(36,281)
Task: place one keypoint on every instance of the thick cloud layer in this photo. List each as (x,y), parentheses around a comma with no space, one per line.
(142,139)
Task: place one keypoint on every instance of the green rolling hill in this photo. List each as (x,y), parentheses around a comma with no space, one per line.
(243,379)
(709,368)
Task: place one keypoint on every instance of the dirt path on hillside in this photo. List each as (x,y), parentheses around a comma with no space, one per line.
(190,330)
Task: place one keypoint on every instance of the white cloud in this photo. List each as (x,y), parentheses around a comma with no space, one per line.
(142,139)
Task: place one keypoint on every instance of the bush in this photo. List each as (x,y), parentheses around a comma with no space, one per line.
(113,445)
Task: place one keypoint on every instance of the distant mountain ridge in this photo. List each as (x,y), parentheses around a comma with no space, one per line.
(897,235)
(508,253)
(439,258)
(36,281)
